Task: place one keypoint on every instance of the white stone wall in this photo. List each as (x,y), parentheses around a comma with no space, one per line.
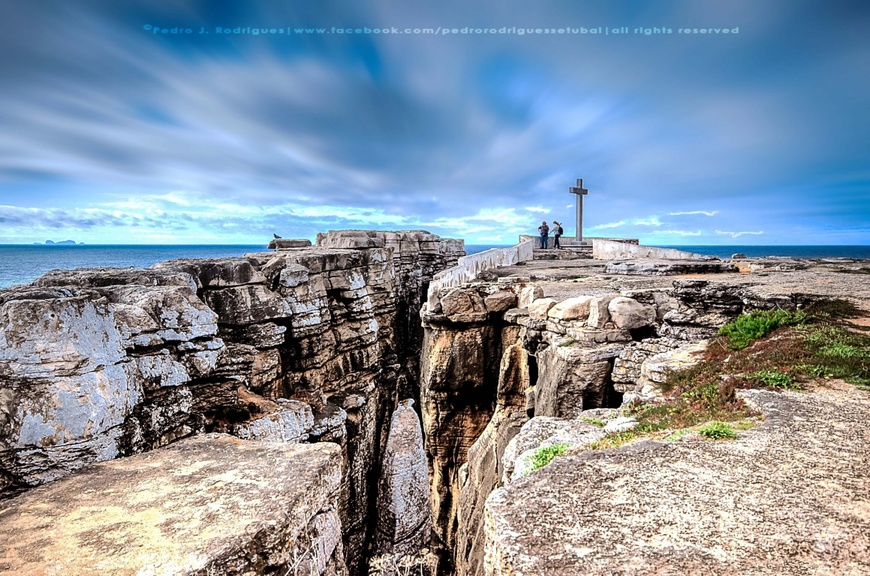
(613,250)
(468,267)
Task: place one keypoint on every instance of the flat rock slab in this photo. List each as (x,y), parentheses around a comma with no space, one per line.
(211,504)
(641,267)
(788,497)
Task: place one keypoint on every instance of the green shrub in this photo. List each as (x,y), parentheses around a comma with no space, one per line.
(774,379)
(749,327)
(717,431)
(543,456)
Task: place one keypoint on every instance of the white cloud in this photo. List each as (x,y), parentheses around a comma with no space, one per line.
(651,221)
(738,234)
(677,232)
(538,209)
(608,225)
(694,212)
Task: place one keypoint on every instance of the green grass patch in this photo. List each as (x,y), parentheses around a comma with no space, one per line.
(773,379)
(566,343)
(595,421)
(717,431)
(807,348)
(750,327)
(614,440)
(543,456)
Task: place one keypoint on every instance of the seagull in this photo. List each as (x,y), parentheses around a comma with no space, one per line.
(275,235)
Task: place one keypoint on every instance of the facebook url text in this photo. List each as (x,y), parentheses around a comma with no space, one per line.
(393,30)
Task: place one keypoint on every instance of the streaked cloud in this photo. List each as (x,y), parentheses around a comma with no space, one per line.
(109,130)
(739,234)
(694,213)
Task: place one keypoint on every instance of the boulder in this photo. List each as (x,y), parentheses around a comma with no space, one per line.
(529,294)
(572,309)
(629,314)
(287,243)
(461,301)
(655,370)
(500,301)
(539,308)
(599,315)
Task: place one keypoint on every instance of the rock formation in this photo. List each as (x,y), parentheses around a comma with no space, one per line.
(206,505)
(575,351)
(303,344)
(323,345)
(404,523)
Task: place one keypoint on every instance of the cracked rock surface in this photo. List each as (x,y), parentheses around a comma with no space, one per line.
(787,497)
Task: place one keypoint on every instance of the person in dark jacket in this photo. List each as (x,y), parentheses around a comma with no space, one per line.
(544,231)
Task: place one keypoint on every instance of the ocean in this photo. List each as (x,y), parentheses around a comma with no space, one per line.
(22,263)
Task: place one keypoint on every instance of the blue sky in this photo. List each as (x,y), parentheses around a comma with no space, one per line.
(112,133)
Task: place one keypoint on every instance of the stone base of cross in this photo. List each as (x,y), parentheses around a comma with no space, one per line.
(580,191)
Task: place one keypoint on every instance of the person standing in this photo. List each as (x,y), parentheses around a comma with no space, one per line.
(557,233)
(544,231)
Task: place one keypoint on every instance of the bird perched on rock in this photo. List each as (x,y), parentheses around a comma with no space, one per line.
(275,235)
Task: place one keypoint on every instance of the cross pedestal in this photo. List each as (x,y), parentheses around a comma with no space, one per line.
(580,191)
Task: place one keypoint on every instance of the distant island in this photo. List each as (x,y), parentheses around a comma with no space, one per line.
(61,243)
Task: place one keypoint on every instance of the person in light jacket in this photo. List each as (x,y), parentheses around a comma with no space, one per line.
(557,233)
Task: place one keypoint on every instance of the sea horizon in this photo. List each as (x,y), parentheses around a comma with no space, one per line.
(23,263)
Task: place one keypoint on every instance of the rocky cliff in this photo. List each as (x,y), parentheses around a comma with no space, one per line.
(511,366)
(304,344)
(323,347)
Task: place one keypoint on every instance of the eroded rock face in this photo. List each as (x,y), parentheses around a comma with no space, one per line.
(571,360)
(303,344)
(212,504)
(404,523)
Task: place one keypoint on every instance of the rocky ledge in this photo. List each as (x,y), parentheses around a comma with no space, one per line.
(213,504)
(788,497)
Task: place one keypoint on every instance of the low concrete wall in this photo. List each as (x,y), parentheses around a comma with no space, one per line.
(468,267)
(565,241)
(612,250)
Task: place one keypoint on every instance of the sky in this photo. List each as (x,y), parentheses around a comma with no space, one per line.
(218,122)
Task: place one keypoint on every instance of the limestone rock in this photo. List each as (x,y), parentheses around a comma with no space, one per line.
(539,308)
(599,314)
(629,314)
(529,294)
(571,309)
(500,301)
(291,421)
(541,432)
(573,378)
(216,273)
(655,370)
(700,507)
(287,243)
(293,275)
(212,504)
(483,472)
(669,267)
(462,304)
(354,239)
(404,523)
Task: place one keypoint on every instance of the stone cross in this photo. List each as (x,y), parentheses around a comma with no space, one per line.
(580,191)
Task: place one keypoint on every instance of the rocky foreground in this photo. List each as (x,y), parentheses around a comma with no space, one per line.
(364,406)
(788,497)
(585,336)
